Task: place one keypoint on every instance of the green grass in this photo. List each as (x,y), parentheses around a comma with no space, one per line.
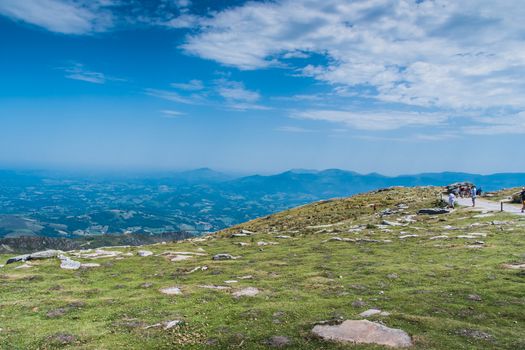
(302,280)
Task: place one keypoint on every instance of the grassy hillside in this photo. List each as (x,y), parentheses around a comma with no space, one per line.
(340,259)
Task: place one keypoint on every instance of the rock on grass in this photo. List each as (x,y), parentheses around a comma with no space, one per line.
(171,291)
(246,292)
(363,332)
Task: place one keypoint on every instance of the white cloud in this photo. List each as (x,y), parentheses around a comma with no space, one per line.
(237,96)
(236,91)
(78,72)
(170,114)
(223,93)
(439,54)
(294,129)
(376,121)
(183,21)
(183,3)
(192,85)
(173,96)
(498,124)
(60,16)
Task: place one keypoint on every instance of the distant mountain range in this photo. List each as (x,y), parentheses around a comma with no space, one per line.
(65,205)
(336,182)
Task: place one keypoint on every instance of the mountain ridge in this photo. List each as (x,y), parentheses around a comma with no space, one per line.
(448,281)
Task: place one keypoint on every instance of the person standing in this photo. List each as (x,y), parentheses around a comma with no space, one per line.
(522,196)
(473,195)
(451,200)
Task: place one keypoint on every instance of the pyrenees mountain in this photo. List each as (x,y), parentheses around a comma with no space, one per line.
(72,205)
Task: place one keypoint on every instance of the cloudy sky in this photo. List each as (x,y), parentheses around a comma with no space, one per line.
(390,86)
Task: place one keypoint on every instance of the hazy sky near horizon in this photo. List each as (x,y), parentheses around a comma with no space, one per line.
(390,86)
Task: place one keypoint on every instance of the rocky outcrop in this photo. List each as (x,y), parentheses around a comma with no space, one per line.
(433,211)
(46,254)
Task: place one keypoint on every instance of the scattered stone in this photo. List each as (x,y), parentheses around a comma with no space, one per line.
(247,277)
(215,287)
(61,339)
(363,332)
(449,228)
(146,285)
(247,232)
(392,276)
(68,264)
(514,266)
(246,292)
(474,297)
(387,212)
(499,223)
(56,313)
(242,244)
(390,223)
(474,246)
(472,333)
(231,281)
(278,341)
(477,224)
(156,325)
(433,211)
(223,257)
(467,237)
(370,312)
(180,258)
(237,235)
(283,237)
(333,239)
(171,291)
(479,234)
(438,237)
(263,243)
(97,254)
(198,268)
(184,253)
(408,219)
(89,265)
(171,324)
(408,236)
(144,253)
(358,304)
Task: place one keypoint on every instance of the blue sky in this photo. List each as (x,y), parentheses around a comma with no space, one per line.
(373,86)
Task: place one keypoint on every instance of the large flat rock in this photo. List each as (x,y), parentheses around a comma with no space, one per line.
(363,332)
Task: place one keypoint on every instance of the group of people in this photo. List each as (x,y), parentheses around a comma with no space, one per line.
(473,193)
(464,191)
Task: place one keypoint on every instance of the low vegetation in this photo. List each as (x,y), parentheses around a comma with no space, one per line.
(442,279)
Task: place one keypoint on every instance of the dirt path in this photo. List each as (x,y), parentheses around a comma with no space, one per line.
(484,204)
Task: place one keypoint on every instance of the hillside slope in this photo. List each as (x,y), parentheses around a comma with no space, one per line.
(450,281)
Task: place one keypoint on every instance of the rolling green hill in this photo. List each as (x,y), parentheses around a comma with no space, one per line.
(450,281)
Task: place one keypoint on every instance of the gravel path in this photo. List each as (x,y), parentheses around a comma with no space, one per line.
(484,204)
